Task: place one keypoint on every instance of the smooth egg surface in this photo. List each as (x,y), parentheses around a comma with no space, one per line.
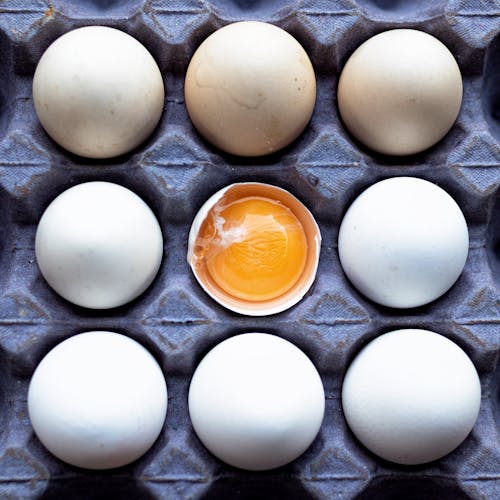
(256,401)
(403,242)
(400,92)
(98,245)
(98,400)
(411,396)
(98,92)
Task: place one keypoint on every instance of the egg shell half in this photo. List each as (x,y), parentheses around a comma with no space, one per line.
(235,192)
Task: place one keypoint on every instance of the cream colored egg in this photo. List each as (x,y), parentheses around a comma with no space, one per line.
(98,92)
(400,92)
(250,88)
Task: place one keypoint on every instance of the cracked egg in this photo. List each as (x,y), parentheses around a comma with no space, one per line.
(254,248)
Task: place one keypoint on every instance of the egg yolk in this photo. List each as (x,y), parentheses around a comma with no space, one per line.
(254,248)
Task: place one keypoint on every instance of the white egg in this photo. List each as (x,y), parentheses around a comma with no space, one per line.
(403,242)
(250,88)
(98,92)
(411,396)
(98,400)
(400,92)
(256,401)
(98,245)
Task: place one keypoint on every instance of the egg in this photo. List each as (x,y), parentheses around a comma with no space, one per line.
(98,245)
(250,88)
(98,92)
(98,400)
(254,248)
(403,242)
(256,401)
(400,92)
(411,396)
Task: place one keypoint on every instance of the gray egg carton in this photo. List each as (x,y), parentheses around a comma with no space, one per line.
(175,171)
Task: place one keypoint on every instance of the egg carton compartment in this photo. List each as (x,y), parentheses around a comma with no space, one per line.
(175,171)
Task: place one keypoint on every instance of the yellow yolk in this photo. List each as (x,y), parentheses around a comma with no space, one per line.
(254,248)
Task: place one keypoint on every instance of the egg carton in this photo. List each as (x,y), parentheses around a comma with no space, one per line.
(175,171)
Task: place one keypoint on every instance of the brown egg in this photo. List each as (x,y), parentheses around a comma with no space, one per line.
(250,88)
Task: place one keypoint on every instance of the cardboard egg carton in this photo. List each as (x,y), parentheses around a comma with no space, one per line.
(175,171)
